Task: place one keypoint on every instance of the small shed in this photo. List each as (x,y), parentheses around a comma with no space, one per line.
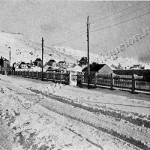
(102,69)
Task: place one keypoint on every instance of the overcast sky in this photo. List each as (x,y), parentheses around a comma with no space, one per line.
(59,21)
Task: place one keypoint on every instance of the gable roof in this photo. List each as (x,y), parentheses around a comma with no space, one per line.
(62,61)
(94,67)
(38,59)
(52,60)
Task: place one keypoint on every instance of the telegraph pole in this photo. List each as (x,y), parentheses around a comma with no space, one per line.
(88,26)
(42,56)
(9,56)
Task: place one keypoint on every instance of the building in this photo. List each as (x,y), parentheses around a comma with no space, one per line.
(83,61)
(51,63)
(62,64)
(4,63)
(24,65)
(136,67)
(102,69)
(38,62)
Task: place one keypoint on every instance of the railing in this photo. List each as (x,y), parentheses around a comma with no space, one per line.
(51,76)
(117,81)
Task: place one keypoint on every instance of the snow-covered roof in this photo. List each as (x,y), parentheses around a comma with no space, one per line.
(75,69)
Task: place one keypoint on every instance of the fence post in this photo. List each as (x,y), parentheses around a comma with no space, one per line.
(61,77)
(112,81)
(82,78)
(36,76)
(30,74)
(47,76)
(133,83)
(95,79)
(69,78)
(53,76)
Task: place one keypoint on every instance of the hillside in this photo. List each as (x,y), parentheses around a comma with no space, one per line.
(23,49)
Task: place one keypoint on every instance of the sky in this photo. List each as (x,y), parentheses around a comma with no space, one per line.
(63,23)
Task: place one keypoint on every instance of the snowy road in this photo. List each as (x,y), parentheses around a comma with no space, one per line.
(44,115)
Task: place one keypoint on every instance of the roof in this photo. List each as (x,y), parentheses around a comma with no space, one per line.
(94,67)
(62,62)
(75,69)
(38,59)
(52,60)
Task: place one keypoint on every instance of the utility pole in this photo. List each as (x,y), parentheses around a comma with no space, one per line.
(9,56)
(88,57)
(42,56)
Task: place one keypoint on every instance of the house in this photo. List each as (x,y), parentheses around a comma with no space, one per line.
(51,63)
(83,61)
(136,67)
(38,62)
(62,64)
(102,69)
(24,65)
(52,69)
(4,63)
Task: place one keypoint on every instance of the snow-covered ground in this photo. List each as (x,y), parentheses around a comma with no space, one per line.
(38,115)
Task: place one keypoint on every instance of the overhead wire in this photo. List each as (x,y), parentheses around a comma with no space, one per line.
(106,26)
(115,13)
(120,22)
(125,14)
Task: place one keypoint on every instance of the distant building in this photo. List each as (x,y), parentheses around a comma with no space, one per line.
(4,63)
(24,65)
(102,69)
(51,63)
(136,67)
(83,61)
(62,64)
(38,62)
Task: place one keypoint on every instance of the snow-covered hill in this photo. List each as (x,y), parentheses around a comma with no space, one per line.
(23,49)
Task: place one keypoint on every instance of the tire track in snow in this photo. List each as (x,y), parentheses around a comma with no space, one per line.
(112,113)
(85,139)
(90,122)
(130,140)
(124,137)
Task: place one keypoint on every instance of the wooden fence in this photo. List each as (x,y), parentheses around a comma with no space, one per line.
(124,82)
(51,76)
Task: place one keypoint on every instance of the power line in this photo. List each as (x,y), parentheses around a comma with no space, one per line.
(68,40)
(115,13)
(126,14)
(82,27)
(120,22)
